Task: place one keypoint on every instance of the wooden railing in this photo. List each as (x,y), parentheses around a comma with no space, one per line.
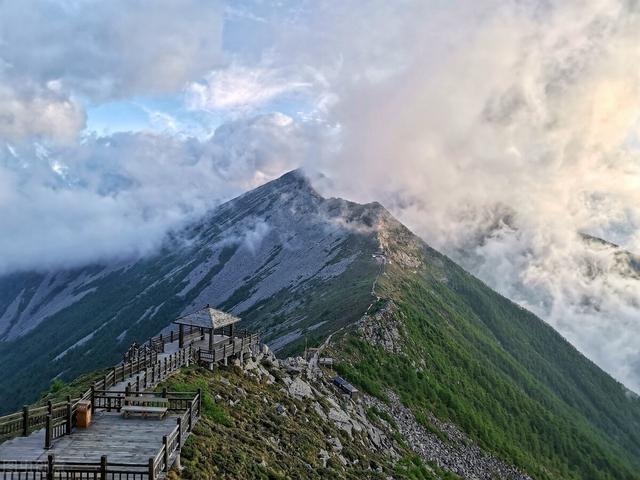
(190,403)
(25,470)
(113,400)
(191,333)
(147,369)
(227,348)
(34,418)
(55,429)
(52,469)
(58,419)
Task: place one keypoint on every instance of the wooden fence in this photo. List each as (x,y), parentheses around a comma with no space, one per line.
(35,418)
(58,419)
(227,348)
(147,368)
(189,403)
(191,333)
(148,371)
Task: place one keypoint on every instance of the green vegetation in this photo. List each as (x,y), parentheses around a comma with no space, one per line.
(259,443)
(411,467)
(192,383)
(507,379)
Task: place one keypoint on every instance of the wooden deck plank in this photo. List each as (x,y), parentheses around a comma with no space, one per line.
(129,440)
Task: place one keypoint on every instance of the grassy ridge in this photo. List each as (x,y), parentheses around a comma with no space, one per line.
(510,381)
(251,440)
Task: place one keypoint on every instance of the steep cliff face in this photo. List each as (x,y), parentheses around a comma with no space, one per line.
(293,265)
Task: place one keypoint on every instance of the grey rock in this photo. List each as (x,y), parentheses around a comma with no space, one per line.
(336,444)
(300,389)
(324,457)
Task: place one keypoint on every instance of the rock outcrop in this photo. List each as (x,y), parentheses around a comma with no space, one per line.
(452,450)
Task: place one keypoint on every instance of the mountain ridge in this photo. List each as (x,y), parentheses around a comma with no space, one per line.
(404,319)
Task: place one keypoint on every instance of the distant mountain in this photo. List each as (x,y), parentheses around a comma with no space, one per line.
(406,322)
(292,264)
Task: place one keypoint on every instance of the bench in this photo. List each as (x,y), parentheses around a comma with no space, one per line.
(145,406)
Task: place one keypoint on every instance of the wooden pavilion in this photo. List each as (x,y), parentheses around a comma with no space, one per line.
(208,320)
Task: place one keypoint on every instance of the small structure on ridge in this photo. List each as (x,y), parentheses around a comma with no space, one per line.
(208,320)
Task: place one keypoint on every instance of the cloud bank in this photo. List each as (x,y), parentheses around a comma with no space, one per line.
(117,196)
(55,54)
(501,131)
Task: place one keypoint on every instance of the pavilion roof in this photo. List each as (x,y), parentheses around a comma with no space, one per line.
(207,317)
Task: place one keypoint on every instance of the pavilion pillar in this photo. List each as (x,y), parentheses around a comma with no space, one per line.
(211,336)
(181,336)
(231,330)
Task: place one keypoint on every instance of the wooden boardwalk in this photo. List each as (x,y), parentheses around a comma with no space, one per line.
(131,440)
(170,348)
(112,446)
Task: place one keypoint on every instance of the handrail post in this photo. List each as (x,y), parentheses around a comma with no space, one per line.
(49,407)
(165,442)
(190,415)
(103,467)
(93,397)
(69,415)
(25,420)
(199,402)
(152,473)
(179,432)
(164,392)
(47,433)
(50,462)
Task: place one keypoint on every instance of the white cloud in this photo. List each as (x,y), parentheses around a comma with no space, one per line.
(94,51)
(118,196)
(244,88)
(498,131)
(43,113)
(111,49)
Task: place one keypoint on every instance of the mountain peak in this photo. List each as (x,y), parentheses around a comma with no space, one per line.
(297,179)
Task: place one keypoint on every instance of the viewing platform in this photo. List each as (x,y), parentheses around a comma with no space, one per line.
(133,440)
(48,442)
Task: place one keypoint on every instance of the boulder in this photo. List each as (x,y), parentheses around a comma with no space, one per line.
(336,444)
(324,457)
(300,389)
